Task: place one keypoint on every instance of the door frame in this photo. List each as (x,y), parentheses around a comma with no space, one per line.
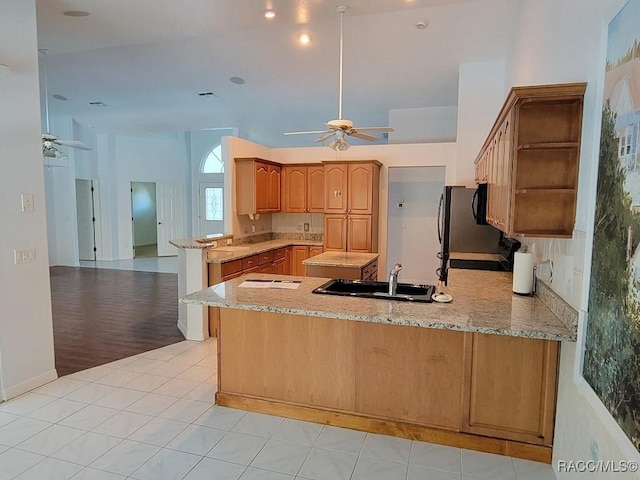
(97,224)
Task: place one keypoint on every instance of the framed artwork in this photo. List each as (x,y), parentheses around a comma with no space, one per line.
(612,347)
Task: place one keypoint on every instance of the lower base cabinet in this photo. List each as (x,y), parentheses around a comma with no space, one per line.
(512,388)
(485,392)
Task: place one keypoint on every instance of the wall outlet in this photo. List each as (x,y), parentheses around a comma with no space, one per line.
(253,229)
(306,226)
(24,256)
(229,241)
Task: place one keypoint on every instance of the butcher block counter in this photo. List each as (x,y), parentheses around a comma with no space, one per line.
(477,373)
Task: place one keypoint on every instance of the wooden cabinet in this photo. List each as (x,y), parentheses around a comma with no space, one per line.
(367,272)
(257,186)
(351,206)
(530,161)
(512,388)
(302,188)
(410,374)
(300,253)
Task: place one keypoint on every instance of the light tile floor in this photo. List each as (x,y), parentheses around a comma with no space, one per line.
(150,417)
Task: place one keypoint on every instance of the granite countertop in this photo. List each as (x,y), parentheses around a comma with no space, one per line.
(494,257)
(234,252)
(482,302)
(341,259)
(194,243)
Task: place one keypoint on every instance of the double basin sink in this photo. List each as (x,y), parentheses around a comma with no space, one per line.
(406,292)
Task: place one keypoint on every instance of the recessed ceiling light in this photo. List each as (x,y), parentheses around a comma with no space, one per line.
(75,13)
(62,98)
(422,25)
(269,13)
(237,80)
(304,38)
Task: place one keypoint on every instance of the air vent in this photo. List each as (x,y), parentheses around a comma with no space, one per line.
(207,94)
(98,104)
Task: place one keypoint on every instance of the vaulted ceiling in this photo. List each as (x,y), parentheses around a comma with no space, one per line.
(147,60)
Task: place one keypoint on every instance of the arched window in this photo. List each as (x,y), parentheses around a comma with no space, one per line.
(213,161)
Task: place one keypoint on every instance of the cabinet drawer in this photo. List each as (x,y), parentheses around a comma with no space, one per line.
(369,270)
(229,268)
(266,257)
(279,253)
(250,262)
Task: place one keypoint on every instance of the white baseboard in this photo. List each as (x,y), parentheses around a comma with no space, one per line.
(28,385)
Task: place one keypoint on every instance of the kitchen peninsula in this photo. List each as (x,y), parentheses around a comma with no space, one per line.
(477,373)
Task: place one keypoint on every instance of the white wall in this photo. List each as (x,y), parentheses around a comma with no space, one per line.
(423,125)
(481,94)
(565,42)
(26,336)
(412,229)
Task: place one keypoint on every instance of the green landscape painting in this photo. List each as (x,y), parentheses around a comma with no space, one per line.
(612,352)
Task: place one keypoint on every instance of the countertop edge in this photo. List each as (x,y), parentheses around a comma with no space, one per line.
(572,337)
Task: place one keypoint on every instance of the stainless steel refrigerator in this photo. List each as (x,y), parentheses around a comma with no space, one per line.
(460,235)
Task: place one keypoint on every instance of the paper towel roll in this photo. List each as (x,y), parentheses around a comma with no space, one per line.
(523,273)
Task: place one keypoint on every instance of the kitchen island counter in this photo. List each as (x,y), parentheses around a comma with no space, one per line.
(482,303)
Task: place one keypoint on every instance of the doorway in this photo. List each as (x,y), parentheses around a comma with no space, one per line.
(86,219)
(412,236)
(144,218)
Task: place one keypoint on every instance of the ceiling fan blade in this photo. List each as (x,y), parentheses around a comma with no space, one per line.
(363,136)
(325,137)
(73,144)
(375,129)
(314,132)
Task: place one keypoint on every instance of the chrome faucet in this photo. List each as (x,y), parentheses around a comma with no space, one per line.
(393,278)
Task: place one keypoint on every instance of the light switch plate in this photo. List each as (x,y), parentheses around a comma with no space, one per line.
(27,202)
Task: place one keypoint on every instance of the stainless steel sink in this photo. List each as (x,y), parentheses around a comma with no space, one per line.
(356,288)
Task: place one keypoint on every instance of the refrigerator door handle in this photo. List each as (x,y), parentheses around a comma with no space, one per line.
(440,226)
(474,199)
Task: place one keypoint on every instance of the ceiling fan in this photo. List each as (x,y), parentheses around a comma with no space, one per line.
(50,143)
(341,127)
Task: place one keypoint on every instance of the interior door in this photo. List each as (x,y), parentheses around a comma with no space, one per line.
(211,208)
(169,201)
(86,220)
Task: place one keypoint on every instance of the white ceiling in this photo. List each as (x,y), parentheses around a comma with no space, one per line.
(148,59)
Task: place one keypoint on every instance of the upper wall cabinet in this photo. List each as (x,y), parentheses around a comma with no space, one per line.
(302,188)
(530,161)
(351,187)
(257,186)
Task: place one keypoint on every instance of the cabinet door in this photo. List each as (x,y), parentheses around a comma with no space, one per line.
(315,189)
(294,189)
(358,233)
(335,187)
(299,253)
(360,188)
(335,232)
(313,251)
(262,187)
(513,388)
(412,370)
(273,201)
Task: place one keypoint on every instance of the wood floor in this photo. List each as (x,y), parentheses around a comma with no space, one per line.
(102,315)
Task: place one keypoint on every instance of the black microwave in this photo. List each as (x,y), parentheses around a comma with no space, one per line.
(479,204)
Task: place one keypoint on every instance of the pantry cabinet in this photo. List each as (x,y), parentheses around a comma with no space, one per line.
(530,161)
(351,206)
(303,188)
(257,186)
